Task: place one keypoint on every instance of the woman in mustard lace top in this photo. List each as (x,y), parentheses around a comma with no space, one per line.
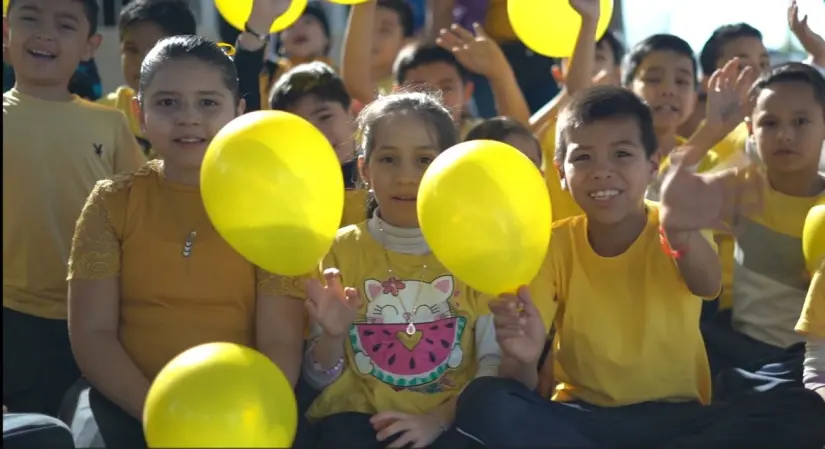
(149,277)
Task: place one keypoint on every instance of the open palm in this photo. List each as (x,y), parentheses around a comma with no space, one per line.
(332,306)
(477,53)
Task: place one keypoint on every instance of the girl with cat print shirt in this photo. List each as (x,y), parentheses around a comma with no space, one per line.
(395,337)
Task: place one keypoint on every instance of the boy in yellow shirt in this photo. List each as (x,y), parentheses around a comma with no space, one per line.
(56,146)
(622,285)
(770,281)
(142,23)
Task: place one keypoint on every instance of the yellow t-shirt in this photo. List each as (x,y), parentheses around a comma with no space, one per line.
(355,206)
(770,279)
(627,327)
(135,226)
(497,22)
(53,154)
(122,100)
(387,369)
(812,319)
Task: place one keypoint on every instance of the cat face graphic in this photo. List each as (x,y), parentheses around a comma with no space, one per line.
(396,301)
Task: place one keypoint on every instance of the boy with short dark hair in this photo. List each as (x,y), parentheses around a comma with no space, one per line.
(315,92)
(770,281)
(142,23)
(622,286)
(56,146)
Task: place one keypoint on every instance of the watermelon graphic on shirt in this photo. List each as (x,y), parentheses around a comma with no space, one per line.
(384,349)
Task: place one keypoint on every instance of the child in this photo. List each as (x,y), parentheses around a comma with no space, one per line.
(55,147)
(509,131)
(622,285)
(142,24)
(446,69)
(769,284)
(376,32)
(393,349)
(738,40)
(315,92)
(662,71)
(148,275)
(812,325)
(307,40)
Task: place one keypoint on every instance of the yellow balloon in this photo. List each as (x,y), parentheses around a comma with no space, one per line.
(484,209)
(551,27)
(5,7)
(220,395)
(236,13)
(273,189)
(813,236)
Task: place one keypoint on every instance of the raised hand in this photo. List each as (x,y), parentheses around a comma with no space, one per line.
(727,96)
(692,202)
(477,53)
(587,9)
(264,13)
(332,306)
(519,328)
(813,43)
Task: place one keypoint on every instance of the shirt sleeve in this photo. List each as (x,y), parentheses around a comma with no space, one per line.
(128,153)
(95,252)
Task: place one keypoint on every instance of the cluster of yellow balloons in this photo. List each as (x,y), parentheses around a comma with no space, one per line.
(551,27)
(220,395)
(813,236)
(236,12)
(475,238)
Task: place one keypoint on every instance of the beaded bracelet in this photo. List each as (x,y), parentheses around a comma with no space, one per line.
(320,369)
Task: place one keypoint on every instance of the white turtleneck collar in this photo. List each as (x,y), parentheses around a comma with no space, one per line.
(399,240)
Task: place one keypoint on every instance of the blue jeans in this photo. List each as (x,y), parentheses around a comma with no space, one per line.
(504,413)
(31,430)
(533,76)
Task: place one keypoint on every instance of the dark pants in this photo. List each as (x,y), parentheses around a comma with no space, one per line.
(350,430)
(532,73)
(742,365)
(31,430)
(38,364)
(503,413)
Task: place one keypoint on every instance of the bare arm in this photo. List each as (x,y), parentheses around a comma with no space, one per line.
(541,120)
(699,263)
(94,312)
(356,61)
(439,16)
(279,332)
(580,68)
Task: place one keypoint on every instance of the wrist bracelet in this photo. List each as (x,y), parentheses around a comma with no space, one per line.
(251,32)
(666,248)
(320,369)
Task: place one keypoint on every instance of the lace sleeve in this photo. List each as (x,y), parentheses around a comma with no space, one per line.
(95,250)
(273,284)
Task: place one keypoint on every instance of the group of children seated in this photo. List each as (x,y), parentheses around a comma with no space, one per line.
(674,308)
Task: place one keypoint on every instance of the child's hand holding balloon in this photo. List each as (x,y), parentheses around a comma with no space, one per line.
(332,306)
(519,327)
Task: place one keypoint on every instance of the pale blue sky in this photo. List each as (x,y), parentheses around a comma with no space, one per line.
(695,20)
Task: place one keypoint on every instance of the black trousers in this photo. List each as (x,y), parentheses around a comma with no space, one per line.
(38,364)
